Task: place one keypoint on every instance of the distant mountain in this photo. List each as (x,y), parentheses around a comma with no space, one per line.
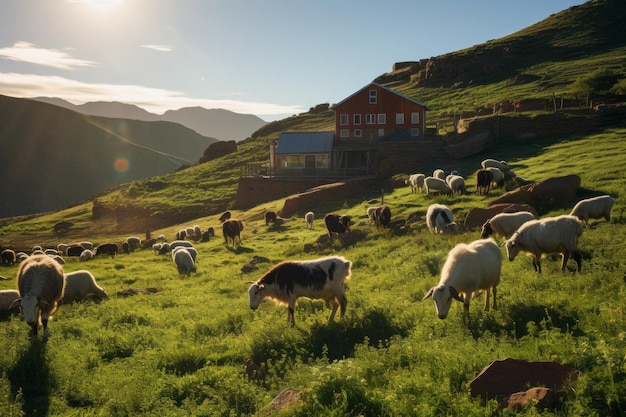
(215,123)
(53,157)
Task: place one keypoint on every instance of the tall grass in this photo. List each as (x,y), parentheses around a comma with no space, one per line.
(181,350)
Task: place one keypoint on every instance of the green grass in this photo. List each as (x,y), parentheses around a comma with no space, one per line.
(180,351)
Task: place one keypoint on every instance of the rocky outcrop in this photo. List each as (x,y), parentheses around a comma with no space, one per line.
(553,189)
(478,215)
(217,150)
(508,380)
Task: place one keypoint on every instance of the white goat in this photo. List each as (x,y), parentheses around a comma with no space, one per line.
(436,184)
(505,224)
(439,219)
(594,208)
(468,269)
(40,283)
(548,235)
(81,284)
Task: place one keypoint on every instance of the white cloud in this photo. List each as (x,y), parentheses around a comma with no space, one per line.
(154,100)
(160,48)
(27,52)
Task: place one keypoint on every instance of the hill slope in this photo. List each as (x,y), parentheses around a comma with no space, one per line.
(56,157)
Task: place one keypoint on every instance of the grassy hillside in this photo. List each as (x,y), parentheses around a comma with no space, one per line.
(180,351)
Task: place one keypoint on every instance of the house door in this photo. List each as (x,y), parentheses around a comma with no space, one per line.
(309,161)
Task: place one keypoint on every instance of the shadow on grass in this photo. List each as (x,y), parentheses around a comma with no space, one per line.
(30,378)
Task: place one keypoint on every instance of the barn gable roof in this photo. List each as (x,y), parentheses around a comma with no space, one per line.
(305,142)
(384,88)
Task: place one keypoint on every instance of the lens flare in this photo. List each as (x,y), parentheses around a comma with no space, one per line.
(121,164)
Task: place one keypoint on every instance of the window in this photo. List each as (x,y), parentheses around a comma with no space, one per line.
(415,132)
(356,119)
(344,133)
(381,133)
(399,118)
(294,161)
(321,161)
(373,96)
(357,133)
(343,119)
(370,119)
(415,118)
(382,119)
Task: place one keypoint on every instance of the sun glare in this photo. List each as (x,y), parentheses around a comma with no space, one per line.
(103,4)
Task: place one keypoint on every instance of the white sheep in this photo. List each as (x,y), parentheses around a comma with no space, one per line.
(197,230)
(439,219)
(58,258)
(177,243)
(308,219)
(192,251)
(548,235)
(594,208)
(439,173)
(505,224)
(62,248)
(416,181)
(184,261)
(436,184)
(371,215)
(81,284)
(469,268)
(7,299)
(161,238)
(86,255)
(456,184)
(51,252)
(501,165)
(87,245)
(40,283)
(133,242)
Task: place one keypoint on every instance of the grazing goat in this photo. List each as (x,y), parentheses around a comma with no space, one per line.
(468,269)
(231,229)
(337,224)
(548,235)
(40,282)
(287,281)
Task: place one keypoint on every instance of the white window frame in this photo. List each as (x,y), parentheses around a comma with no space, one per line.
(356,119)
(344,133)
(373,96)
(382,119)
(343,119)
(415,132)
(415,118)
(370,119)
(399,118)
(358,133)
(381,132)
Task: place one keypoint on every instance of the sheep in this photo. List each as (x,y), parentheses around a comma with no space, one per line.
(501,165)
(8,257)
(51,252)
(505,224)
(74,250)
(371,215)
(498,177)
(308,219)
(7,300)
(225,216)
(548,235)
(192,251)
(270,217)
(20,256)
(439,219)
(468,269)
(197,232)
(416,181)
(181,234)
(165,248)
(40,282)
(594,208)
(439,173)
(133,242)
(190,233)
(178,243)
(336,223)
(58,258)
(231,229)
(62,248)
(383,216)
(184,261)
(87,245)
(106,249)
(81,284)
(436,184)
(456,184)
(86,255)
(161,238)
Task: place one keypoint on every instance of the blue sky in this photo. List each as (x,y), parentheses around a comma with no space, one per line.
(271,58)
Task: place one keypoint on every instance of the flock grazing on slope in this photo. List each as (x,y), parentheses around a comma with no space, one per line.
(469,267)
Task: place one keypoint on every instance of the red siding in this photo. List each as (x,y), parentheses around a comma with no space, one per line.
(388,103)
